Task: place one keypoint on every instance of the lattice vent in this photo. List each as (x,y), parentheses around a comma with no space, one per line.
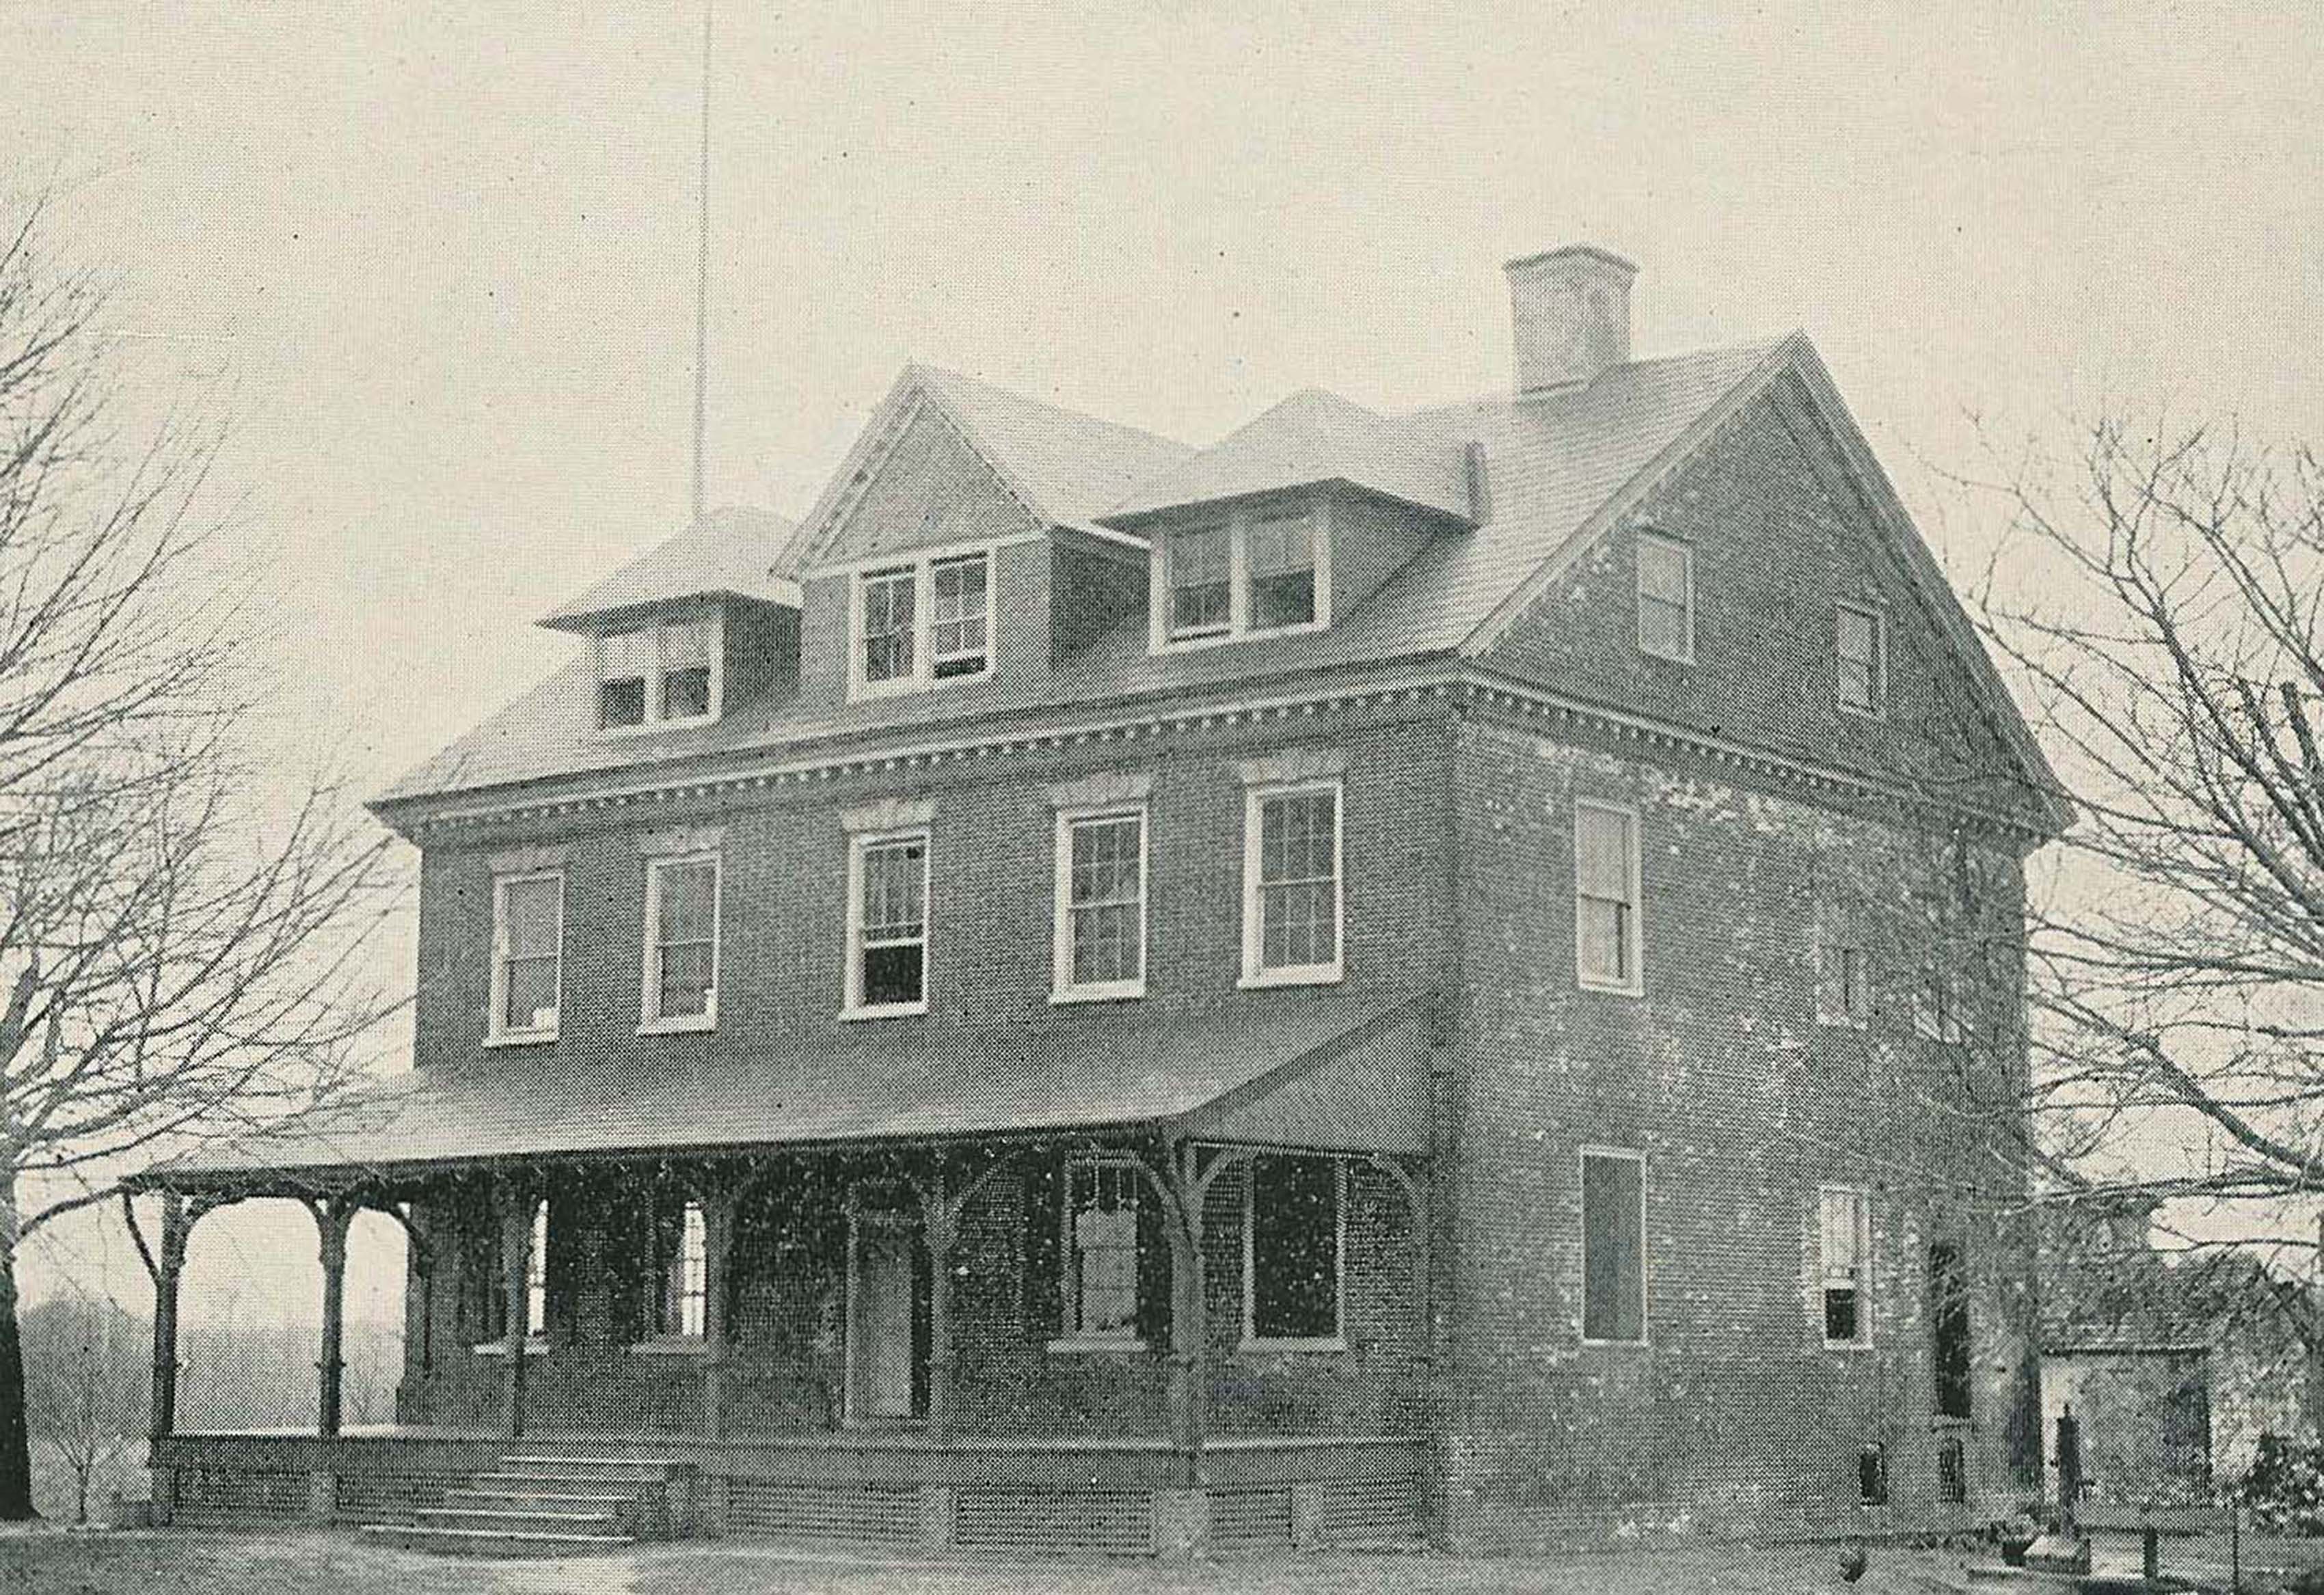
(1244,1520)
(1370,1511)
(1099,1522)
(825,1514)
(212,1495)
(389,1498)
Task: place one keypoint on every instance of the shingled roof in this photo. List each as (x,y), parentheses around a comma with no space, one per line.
(732,552)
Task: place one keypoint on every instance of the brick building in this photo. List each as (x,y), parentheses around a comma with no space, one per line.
(1452,972)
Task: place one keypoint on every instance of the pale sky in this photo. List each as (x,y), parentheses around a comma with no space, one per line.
(443,256)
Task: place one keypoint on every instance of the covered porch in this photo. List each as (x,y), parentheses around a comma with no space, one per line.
(1170,1295)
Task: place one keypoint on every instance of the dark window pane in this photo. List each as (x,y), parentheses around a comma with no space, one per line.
(1841,1321)
(685,693)
(1294,1248)
(1613,1251)
(685,991)
(1953,1470)
(891,974)
(1948,1330)
(621,703)
(1286,600)
(1872,1475)
(529,1002)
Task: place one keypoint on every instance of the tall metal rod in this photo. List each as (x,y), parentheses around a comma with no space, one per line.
(702,278)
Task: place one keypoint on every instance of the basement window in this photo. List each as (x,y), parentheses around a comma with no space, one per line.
(1294,1252)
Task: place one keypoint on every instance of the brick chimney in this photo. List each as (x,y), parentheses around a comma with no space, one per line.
(1571,307)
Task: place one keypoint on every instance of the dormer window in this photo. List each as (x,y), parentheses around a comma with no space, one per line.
(922,621)
(1254,572)
(659,675)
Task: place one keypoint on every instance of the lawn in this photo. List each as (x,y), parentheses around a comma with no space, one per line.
(294,1562)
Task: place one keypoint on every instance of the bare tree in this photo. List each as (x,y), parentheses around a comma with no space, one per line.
(180,954)
(86,1389)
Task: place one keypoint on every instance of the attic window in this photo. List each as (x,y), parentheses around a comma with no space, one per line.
(665,674)
(923,621)
(1257,572)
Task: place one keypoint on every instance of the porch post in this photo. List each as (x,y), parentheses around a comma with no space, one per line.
(941,1225)
(513,1197)
(1189,1329)
(718,1203)
(332,1218)
(176,1225)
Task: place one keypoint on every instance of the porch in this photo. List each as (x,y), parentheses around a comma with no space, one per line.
(1140,1333)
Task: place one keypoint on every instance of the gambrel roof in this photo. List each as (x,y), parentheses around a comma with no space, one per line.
(1554,470)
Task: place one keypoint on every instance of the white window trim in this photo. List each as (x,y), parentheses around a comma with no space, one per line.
(1685,552)
(861,1216)
(1239,629)
(1635,985)
(1062,989)
(650,1021)
(922,564)
(1835,1016)
(1254,941)
(1879,709)
(655,720)
(1252,1341)
(497,1034)
(852,1005)
(1645,1273)
(1069,1339)
(1863,1341)
(676,1341)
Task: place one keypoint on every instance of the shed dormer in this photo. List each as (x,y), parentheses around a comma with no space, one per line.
(1303,511)
(704,621)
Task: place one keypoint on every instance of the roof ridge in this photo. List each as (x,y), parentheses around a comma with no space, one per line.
(943,373)
(1756,347)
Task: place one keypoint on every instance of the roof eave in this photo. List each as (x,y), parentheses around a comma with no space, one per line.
(780,591)
(1156,514)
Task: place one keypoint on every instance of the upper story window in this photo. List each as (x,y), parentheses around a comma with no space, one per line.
(1863,655)
(1101,1242)
(663,674)
(1251,573)
(1843,962)
(1606,889)
(1291,903)
(1295,1240)
(923,621)
(1846,1247)
(1666,597)
(1613,1245)
(1936,1006)
(681,973)
(528,956)
(1100,912)
(888,924)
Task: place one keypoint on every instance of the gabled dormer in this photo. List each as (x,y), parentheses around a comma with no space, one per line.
(695,627)
(1299,514)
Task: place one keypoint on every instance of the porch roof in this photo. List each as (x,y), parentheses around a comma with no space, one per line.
(1299,1075)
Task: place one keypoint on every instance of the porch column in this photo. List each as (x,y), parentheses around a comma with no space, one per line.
(1189,1309)
(514,1198)
(176,1225)
(942,1224)
(332,1218)
(718,1202)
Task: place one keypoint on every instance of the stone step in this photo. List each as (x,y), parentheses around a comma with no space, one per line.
(495,1542)
(639,1469)
(542,1500)
(523,1520)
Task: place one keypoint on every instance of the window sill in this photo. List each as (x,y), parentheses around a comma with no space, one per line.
(1612,988)
(671,1346)
(1668,659)
(521,1039)
(537,1346)
(861,691)
(1305,975)
(679,1027)
(887,1011)
(1833,1024)
(1863,1345)
(1252,1346)
(1640,1344)
(1120,992)
(1076,1345)
(615,734)
(1249,634)
(1863,713)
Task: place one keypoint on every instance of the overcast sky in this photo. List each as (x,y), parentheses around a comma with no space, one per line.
(443,255)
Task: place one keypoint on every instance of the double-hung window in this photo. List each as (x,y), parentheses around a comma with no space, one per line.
(1295,1240)
(888,924)
(1100,1244)
(1608,955)
(1613,1245)
(1843,962)
(1250,574)
(1291,884)
(682,1292)
(1101,950)
(528,956)
(681,973)
(1845,1245)
(923,621)
(536,1275)
(1666,597)
(663,674)
(1862,650)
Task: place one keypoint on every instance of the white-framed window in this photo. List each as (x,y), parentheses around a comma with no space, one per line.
(1936,1006)
(1100,1244)
(1844,1248)
(925,619)
(1861,649)
(1613,1246)
(1666,597)
(536,1275)
(1252,572)
(1609,949)
(1843,962)
(664,673)
(1100,904)
(1291,898)
(888,924)
(683,1292)
(681,942)
(1295,1237)
(528,956)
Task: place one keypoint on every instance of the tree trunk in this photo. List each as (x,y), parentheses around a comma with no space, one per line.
(15,1439)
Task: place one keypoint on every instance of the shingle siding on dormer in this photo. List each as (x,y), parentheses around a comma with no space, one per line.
(930,489)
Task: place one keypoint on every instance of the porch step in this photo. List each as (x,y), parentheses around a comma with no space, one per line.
(495,1542)
(577,1469)
(623,1508)
(525,1520)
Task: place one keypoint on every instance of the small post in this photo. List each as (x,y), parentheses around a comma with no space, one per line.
(332,1219)
(515,1204)
(941,1224)
(162,1417)
(718,1202)
(2236,1545)
(2149,1545)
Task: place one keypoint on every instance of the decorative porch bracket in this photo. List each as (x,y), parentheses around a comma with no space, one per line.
(165,1267)
(940,1214)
